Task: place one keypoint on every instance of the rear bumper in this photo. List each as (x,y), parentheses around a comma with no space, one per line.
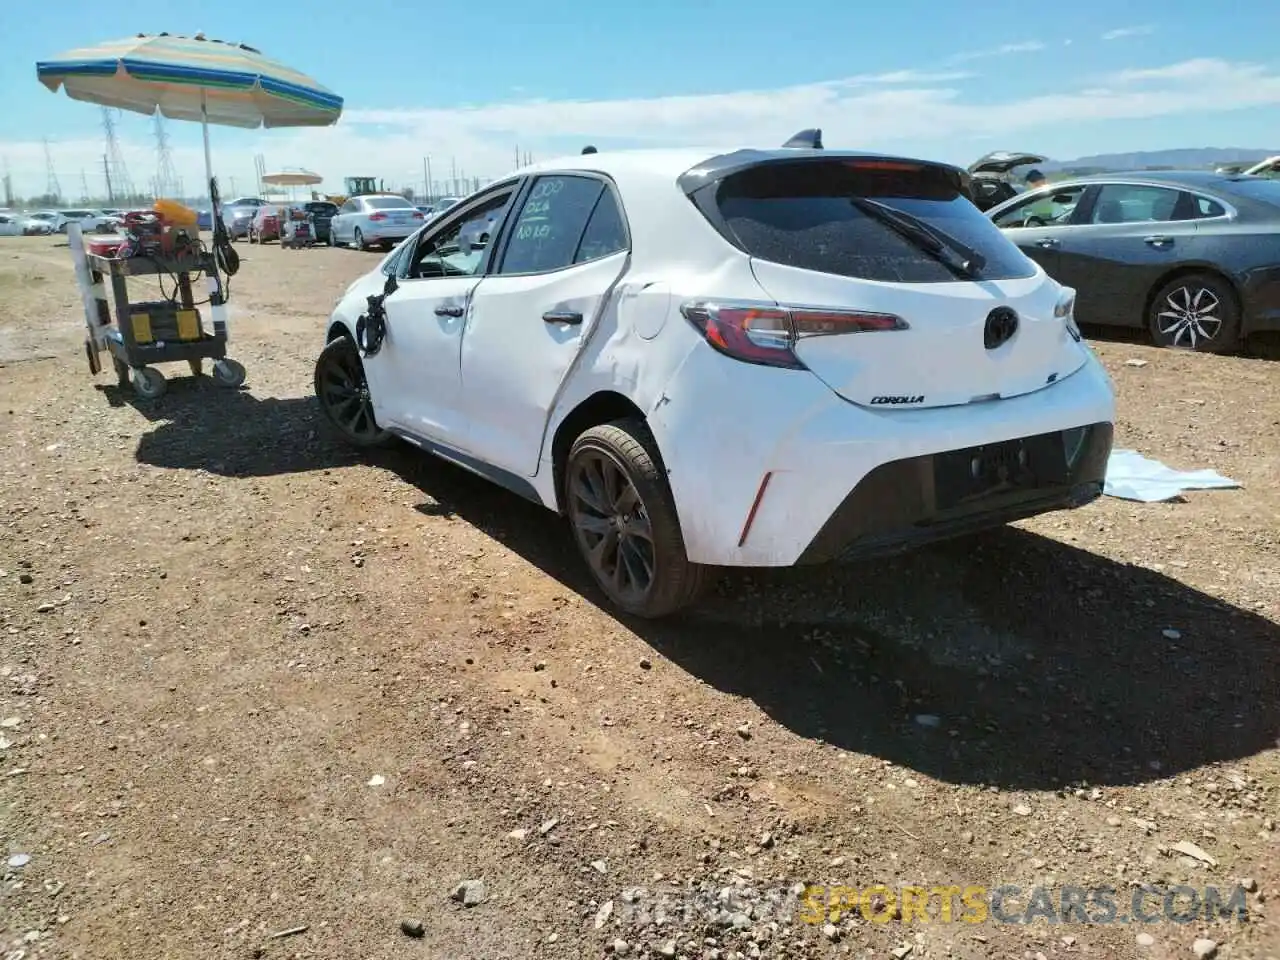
(808,476)
(937,496)
(384,234)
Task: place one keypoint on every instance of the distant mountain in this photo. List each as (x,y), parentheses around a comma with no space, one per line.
(1188,158)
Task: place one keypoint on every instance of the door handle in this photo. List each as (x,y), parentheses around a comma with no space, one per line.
(1159,241)
(448,310)
(1048,243)
(563,316)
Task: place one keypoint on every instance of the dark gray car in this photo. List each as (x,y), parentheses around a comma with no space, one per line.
(1194,257)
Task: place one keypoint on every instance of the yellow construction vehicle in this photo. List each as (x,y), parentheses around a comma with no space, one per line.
(358,187)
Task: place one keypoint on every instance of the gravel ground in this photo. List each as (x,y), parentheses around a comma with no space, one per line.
(263,697)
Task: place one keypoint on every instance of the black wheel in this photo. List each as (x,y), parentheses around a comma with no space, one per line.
(1198,311)
(228,373)
(343,393)
(624,521)
(148,383)
(358,240)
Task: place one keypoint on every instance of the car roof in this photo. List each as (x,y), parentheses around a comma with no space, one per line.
(675,163)
(1180,178)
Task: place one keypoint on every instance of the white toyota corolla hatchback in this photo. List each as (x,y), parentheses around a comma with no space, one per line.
(754,358)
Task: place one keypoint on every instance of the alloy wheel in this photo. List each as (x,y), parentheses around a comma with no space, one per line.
(612,524)
(1189,316)
(345,393)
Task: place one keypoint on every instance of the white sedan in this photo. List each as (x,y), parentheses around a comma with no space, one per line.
(377,219)
(764,357)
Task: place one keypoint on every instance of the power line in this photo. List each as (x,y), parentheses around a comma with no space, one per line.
(51,188)
(119,183)
(167,182)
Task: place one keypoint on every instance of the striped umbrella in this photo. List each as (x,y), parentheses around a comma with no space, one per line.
(192,78)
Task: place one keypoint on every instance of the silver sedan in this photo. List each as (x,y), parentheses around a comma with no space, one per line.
(382,219)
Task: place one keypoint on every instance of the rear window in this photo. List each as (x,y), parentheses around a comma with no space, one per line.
(388,203)
(322,209)
(1255,188)
(799,214)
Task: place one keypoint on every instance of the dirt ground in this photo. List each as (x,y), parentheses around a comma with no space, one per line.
(255,684)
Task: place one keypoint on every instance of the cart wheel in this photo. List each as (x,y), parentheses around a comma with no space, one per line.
(148,383)
(122,371)
(228,373)
(197,366)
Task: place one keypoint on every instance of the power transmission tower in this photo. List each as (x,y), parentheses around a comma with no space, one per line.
(167,183)
(84,187)
(119,184)
(8,184)
(260,166)
(51,188)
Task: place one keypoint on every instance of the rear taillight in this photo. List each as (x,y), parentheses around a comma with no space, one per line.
(767,333)
(377,216)
(417,215)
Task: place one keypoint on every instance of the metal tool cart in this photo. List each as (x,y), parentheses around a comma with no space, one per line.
(165,330)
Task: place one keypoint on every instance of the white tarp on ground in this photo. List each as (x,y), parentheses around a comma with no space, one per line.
(1131,476)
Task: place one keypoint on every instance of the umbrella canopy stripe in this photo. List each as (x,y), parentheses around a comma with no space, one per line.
(211,65)
(192,78)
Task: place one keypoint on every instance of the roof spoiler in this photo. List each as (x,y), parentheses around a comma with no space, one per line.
(805,140)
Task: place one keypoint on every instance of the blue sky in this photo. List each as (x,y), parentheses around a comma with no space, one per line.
(467,83)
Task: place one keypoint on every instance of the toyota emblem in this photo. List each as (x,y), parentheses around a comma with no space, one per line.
(1002,324)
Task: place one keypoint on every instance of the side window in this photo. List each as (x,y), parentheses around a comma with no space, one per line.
(605,233)
(1134,203)
(457,249)
(1043,208)
(348,207)
(1207,207)
(550,225)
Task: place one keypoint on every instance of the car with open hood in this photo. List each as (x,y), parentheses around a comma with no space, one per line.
(989,176)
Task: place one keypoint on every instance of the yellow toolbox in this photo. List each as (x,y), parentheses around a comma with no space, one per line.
(161,321)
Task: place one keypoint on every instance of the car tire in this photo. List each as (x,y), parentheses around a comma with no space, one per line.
(1197,311)
(646,572)
(343,393)
(358,239)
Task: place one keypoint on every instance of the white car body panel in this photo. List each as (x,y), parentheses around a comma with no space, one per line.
(415,380)
(512,368)
(949,363)
(494,389)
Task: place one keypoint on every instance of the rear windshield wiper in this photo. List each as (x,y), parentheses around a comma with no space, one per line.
(924,235)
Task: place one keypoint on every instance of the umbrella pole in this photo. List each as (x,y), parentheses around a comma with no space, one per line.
(217,304)
(204,128)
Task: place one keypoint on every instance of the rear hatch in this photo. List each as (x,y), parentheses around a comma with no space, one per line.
(1002,161)
(812,246)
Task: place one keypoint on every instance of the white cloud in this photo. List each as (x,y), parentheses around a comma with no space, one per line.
(1124,33)
(921,113)
(1004,50)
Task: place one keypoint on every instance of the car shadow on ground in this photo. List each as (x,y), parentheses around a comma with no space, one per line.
(1008,659)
